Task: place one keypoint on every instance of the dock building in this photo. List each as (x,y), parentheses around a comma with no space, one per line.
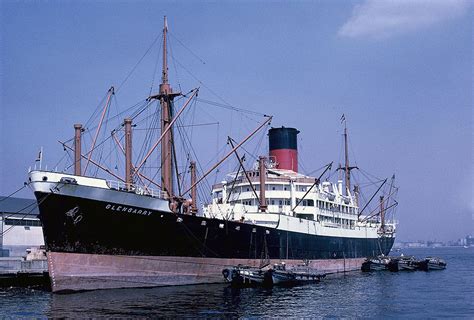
(20,227)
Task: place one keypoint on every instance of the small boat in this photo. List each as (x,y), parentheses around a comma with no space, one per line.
(434,263)
(297,274)
(278,275)
(407,263)
(431,263)
(246,276)
(376,263)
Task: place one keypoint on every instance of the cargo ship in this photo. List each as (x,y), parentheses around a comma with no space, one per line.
(137,232)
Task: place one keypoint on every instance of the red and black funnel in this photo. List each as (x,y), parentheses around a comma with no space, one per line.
(284,148)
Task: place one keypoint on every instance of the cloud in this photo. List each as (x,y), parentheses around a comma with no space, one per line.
(387,18)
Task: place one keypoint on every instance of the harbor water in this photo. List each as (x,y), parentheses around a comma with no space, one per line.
(419,294)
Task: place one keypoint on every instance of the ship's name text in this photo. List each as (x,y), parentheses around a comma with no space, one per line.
(114,207)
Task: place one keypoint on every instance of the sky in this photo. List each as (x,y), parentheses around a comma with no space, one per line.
(400,71)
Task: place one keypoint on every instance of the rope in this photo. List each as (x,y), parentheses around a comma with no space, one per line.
(13,193)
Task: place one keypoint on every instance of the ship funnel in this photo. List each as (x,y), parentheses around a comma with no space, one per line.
(283,147)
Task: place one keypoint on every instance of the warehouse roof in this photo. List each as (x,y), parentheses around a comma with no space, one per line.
(18,205)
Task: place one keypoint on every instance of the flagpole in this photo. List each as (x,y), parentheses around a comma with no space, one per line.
(41,157)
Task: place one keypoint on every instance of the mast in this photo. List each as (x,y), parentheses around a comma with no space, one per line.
(128,153)
(346,153)
(262,174)
(382,213)
(347,167)
(77,149)
(165,102)
(166,96)
(192,168)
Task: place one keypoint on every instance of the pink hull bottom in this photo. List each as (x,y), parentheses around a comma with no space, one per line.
(74,272)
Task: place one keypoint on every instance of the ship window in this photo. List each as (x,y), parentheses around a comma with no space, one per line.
(310,203)
(22,222)
(280,202)
(248,189)
(284,188)
(273,188)
(273,202)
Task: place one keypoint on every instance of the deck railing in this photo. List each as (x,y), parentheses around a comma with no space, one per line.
(137,189)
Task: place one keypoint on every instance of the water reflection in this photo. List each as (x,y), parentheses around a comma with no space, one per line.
(323,299)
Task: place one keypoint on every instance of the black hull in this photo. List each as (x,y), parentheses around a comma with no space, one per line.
(77,225)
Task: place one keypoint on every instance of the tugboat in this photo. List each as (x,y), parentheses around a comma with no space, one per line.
(247,276)
(376,263)
(407,263)
(431,263)
(295,275)
(278,275)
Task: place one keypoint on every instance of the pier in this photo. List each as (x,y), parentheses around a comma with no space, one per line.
(20,272)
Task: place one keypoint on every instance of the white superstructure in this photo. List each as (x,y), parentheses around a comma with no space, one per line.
(295,203)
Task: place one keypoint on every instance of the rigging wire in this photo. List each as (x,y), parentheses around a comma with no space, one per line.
(174,66)
(300,159)
(230,107)
(13,193)
(137,105)
(33,206)
(155,68)
(97,110)
(213,92)
(138,63)
(187,48)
